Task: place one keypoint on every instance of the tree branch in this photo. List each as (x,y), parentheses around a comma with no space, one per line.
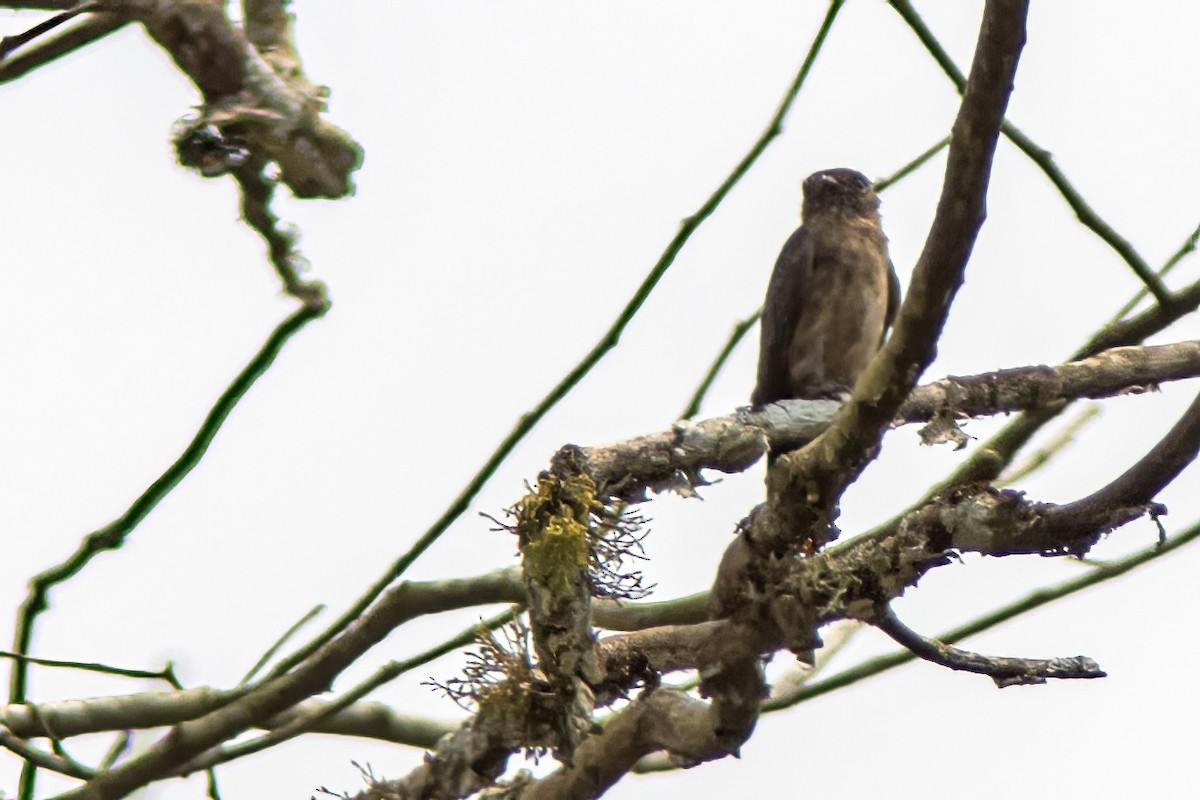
(53,46)
(661,719)
(273,696)
(113,535)
(1004,671)
(274,111)
(1045,161)
(675,459)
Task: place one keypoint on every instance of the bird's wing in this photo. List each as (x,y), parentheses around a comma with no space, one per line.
(893,301)
(781,311)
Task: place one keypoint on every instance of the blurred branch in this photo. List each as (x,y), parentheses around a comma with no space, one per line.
(167,673)
(627,616)
(38,758)
(262,100)
(113,535)
(257,193)
(11,43)
(51,47)
(606,343)
(1044,160)
(68,718)
(312,614)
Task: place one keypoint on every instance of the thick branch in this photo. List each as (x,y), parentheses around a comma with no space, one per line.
(661,719)
(1118,371)
(674,459)
(1137,485)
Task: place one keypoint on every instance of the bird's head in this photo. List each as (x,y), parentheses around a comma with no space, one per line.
(839,190)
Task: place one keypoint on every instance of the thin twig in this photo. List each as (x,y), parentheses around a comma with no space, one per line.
(739,330)
(1188,246)
(1040,457)
(1044,160)
(882,184)
(167,673)
(113,535)
(280,642)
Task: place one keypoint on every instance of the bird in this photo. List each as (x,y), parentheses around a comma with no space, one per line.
(832,295)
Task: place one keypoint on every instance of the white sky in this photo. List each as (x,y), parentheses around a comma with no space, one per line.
(525,165)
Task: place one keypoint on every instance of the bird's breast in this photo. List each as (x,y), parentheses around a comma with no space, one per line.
(845,308)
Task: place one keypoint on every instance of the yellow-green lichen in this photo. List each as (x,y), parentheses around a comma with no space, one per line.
(554,522)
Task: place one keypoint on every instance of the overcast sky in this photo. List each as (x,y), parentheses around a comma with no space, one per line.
(526,163)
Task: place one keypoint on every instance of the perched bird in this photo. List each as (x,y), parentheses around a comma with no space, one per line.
(832,296)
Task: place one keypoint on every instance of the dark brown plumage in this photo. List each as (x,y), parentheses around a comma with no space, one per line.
(832,296)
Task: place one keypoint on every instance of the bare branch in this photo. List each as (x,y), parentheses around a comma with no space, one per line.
(276,113)
(69,718)
(62,42)
(1029,602)
(11,43)
(1003,670)
(674,459)
(113,535)
(1122,370)
(1045,161)
(274,695)
(661,719)
(32,755)
(1107,507)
